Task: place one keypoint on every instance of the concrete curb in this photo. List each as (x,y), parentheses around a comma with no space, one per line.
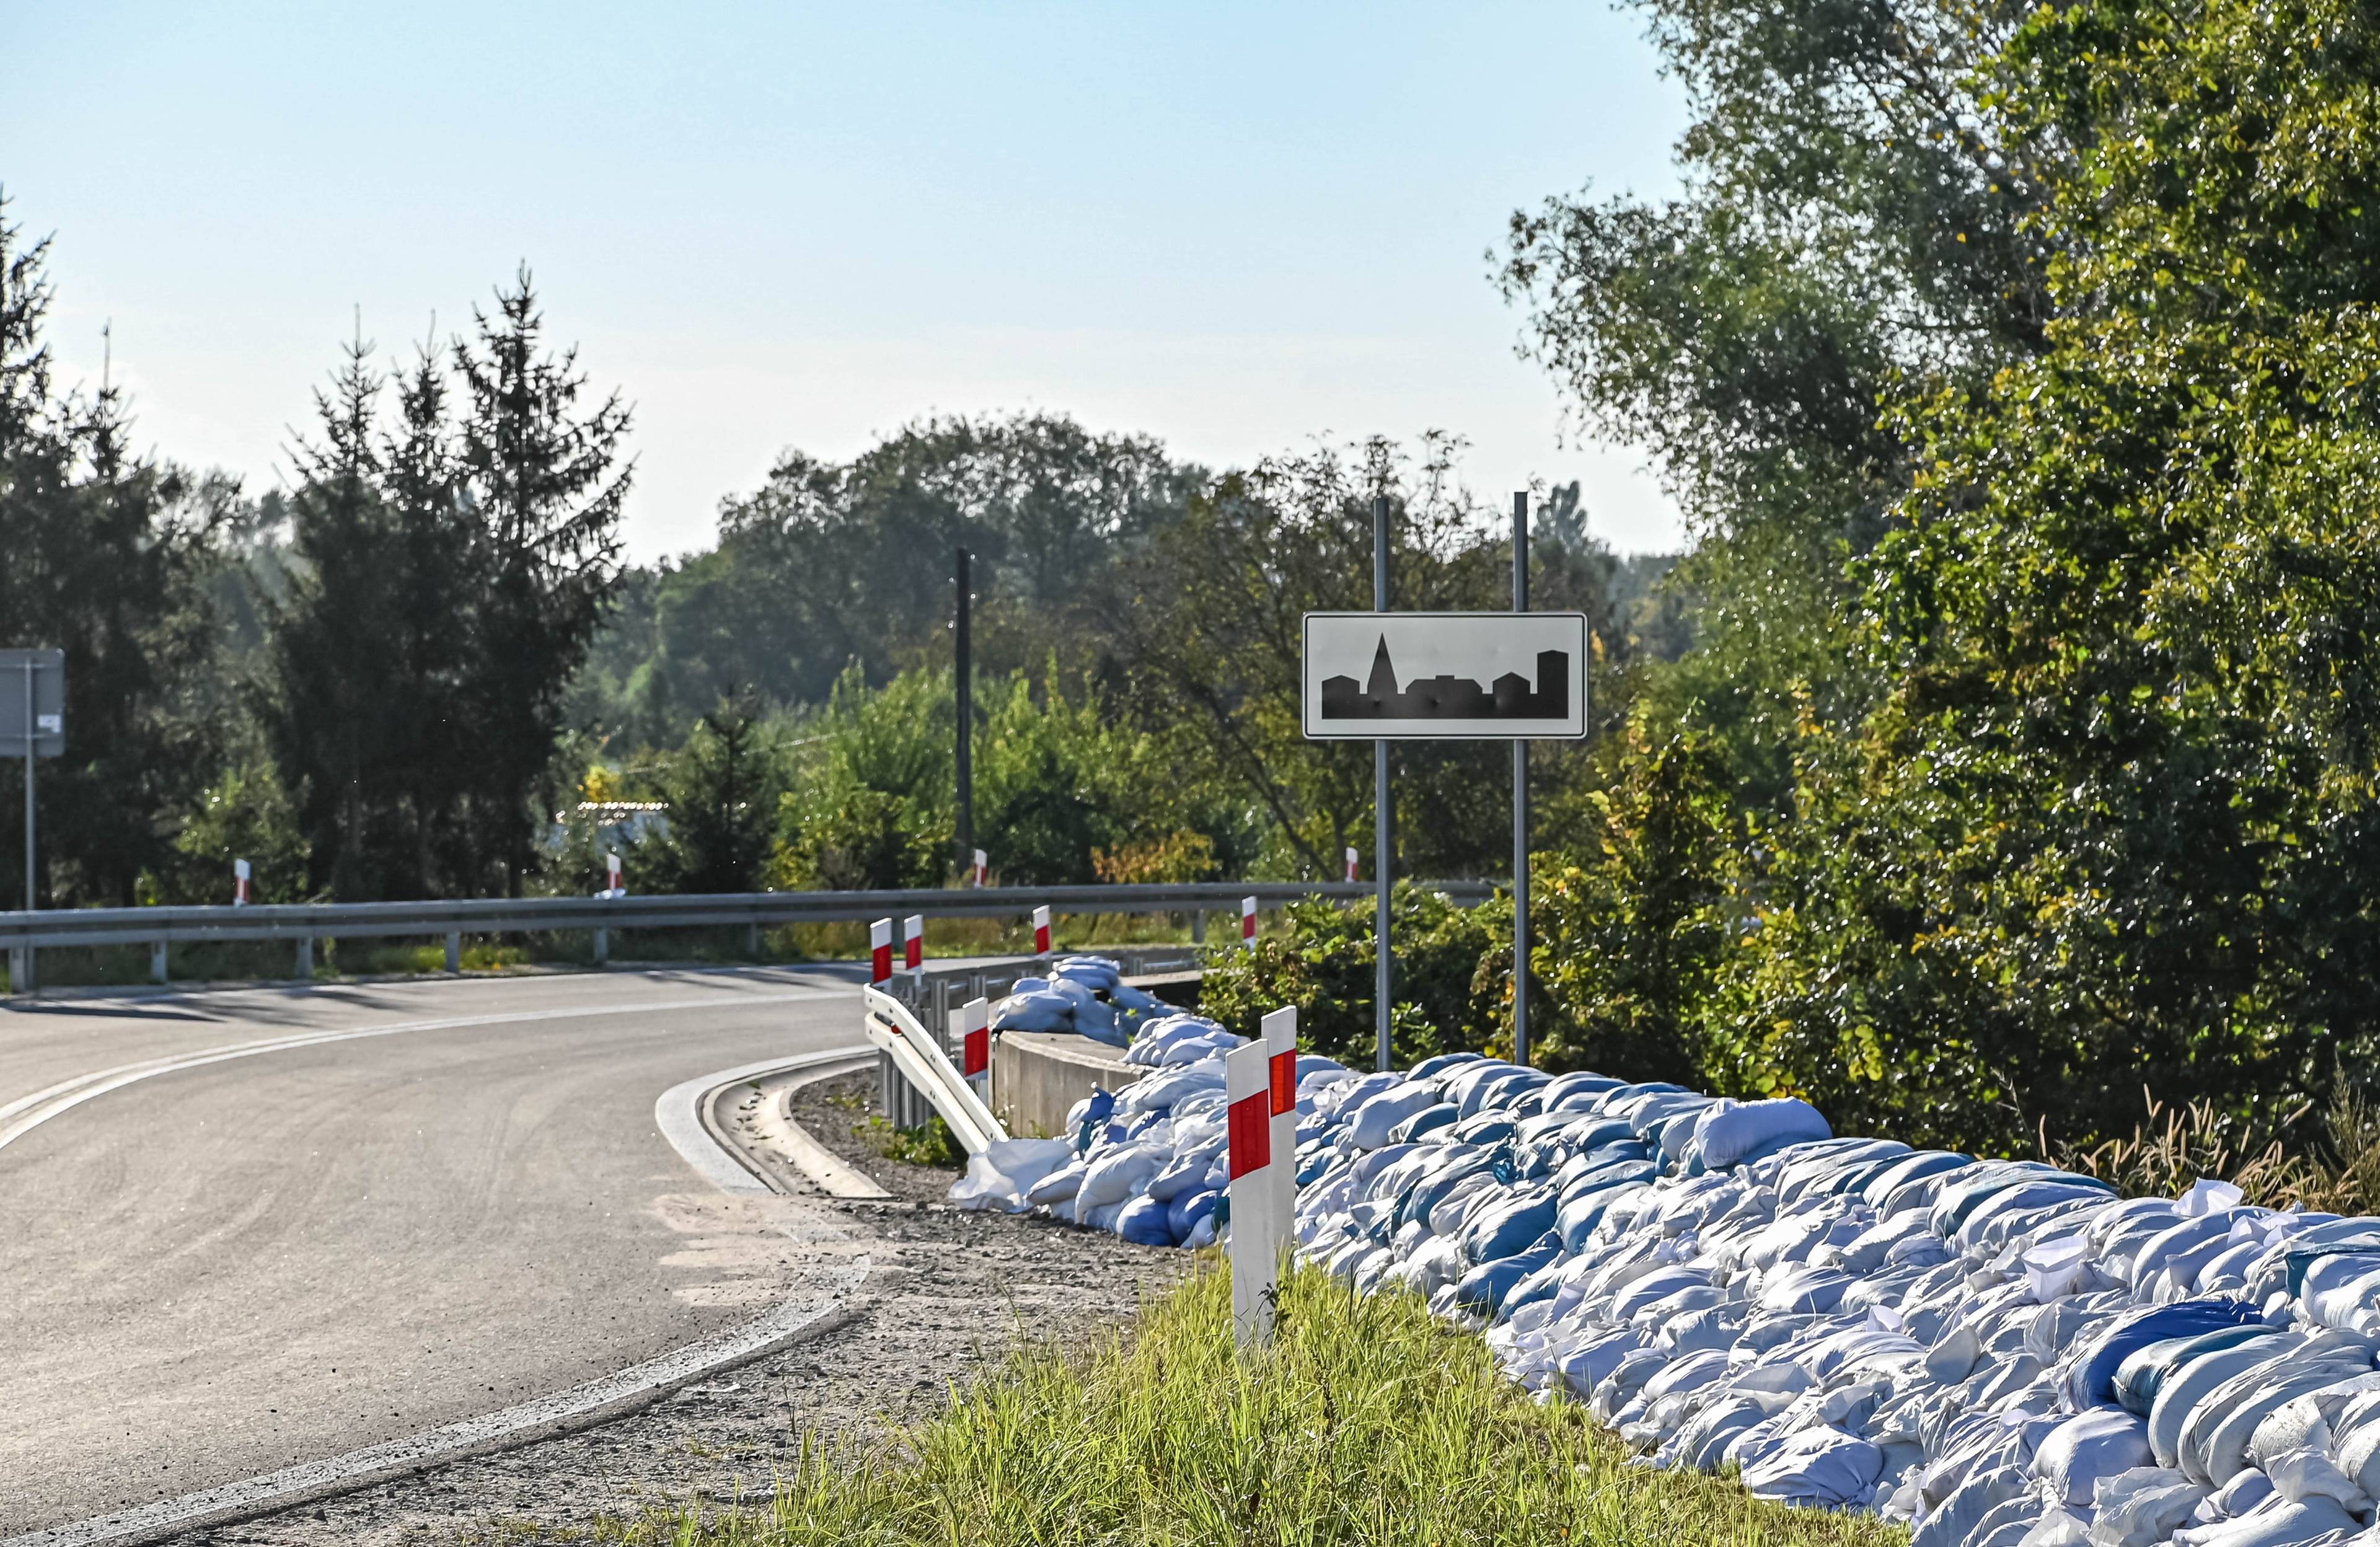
(772,1121)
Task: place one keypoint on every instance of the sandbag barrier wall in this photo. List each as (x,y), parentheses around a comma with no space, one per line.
(932,994)
(1999,1354)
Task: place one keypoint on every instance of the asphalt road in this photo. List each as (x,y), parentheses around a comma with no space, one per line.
(228,1269)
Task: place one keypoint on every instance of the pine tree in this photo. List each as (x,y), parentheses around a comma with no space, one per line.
(546,481)
(336,675)
(439,557)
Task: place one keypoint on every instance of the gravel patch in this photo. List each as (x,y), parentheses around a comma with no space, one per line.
(950,1291)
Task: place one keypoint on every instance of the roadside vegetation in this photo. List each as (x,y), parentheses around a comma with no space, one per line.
(1368,1422)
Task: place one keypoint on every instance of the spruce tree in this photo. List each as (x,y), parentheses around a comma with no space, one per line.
(335,677)
(546,479)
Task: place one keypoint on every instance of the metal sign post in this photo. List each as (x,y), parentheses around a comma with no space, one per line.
(1520,806)
(1516,677)
(33,727)
(1384,964)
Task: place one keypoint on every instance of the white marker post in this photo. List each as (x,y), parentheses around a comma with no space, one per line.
(1041,931)
(1351,859)
(913,943)
(615,880)
(971,1028)
(240,879)
(982,868)
(1256,1258)
(880,951)
(1248,922)
(1278,1039)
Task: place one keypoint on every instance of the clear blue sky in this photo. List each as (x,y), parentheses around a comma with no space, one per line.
(1236,226)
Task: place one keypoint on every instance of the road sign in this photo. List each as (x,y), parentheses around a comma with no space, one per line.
(45,718)
(1495,677)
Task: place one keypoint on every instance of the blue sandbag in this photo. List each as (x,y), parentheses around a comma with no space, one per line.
(1431,1190)
(1577,1218)
(1430,1068)
(1484,1287)
(1144,1222)
(1505,1229)
(1562,1088)
(1311,1168)
(2092,1382)
(1182,1214)
(1484,1128)
(1092,1118)
(2144,1371)
(1542,1284)
(1429,1119)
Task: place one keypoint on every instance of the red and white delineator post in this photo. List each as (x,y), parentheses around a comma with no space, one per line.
(1041,931)
(615,883)
(880,951)
(240,874)
(1353,858)
(1259,1224)
(1278,1035)
(971,1029)
(982,868)
(1248,922)
(913,945)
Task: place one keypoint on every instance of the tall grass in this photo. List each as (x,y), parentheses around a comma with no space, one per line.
(1368,1422)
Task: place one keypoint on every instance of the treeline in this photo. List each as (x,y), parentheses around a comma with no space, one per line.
(1137,660)
(356,684)
(422,669)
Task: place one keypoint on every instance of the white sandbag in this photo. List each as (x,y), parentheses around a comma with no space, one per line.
(2141,1507)
(1112,1176)
(2309,1473)
(1059,1186)
(1820,1467)
(1000,1175)
(1729,1132)
(2102,1442)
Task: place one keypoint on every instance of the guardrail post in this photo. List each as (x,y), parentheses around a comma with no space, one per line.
(751,940)
(157,961)
(453,950)
(1197,926)
(602,947)
(20,970)
(305,959)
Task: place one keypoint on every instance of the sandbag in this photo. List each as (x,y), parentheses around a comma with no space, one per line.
(1112,1176)
(2092,1382)
(1820,1467)
(2102,1442)
(1143,1222)
(1728,1133)
(1369,1126)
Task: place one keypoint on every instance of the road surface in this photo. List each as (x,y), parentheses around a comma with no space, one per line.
(224,1270)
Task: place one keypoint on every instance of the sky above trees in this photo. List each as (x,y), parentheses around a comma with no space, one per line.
(1234,226)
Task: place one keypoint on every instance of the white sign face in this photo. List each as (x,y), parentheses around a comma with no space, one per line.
(1494,677)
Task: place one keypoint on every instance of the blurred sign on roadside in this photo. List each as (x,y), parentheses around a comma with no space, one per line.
(45,718)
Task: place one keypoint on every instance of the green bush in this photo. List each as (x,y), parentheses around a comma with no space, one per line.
(1320,958)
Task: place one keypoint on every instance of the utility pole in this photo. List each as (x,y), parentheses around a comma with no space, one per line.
(1521,805)
(1384,980)
(965,674)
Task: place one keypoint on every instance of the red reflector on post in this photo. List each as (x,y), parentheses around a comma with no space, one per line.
(1284,1083)
(1249,1134)
(977,1050)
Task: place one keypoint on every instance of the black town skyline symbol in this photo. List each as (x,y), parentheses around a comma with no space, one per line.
(1450,698)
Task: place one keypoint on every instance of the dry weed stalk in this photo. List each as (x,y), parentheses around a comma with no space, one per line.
(2176,1146)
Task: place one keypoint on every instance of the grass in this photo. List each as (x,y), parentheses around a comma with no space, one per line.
(2340,1171)
(1368,1422)
(930,1143)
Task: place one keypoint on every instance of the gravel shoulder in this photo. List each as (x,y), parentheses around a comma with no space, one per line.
(950,1291)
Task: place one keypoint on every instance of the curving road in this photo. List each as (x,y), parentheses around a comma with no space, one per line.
(225,1268)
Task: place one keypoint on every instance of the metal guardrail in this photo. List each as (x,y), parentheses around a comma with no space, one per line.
(303,923)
